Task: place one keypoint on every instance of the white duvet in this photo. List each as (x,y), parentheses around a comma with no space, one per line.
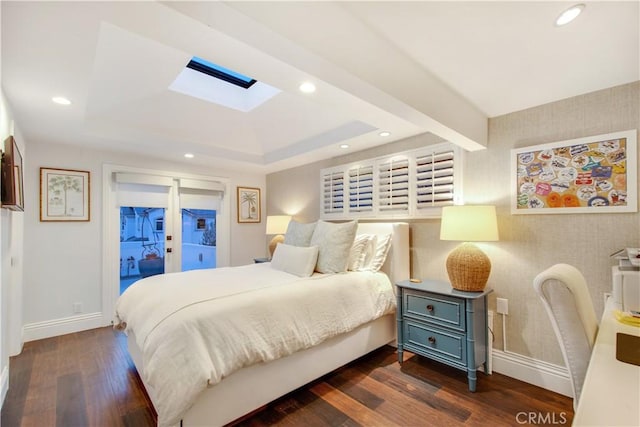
(197,327)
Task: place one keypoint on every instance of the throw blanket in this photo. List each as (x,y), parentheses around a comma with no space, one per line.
(197,327)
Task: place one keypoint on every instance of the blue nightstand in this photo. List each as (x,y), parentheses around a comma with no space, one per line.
(444,324)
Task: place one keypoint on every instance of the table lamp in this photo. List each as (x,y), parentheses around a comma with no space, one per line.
(468,267)
(277,224)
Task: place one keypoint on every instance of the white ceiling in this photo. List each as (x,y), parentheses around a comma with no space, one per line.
(405,67)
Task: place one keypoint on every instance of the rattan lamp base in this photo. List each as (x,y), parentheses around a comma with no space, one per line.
(274,242)
(468,268)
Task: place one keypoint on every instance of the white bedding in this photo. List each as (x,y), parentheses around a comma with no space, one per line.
(197,327)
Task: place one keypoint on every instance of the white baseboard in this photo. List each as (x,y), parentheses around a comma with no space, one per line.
(16,345)
(63,326)
(4,384)
(542,374)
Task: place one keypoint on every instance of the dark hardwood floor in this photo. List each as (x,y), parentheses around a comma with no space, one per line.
(88,379)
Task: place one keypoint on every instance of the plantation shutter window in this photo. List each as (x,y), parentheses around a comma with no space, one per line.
(435,180)
(410,184)
(333,192)
(393,185)
(361,189)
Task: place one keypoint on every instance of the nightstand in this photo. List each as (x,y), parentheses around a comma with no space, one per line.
(444,324)
(261,260)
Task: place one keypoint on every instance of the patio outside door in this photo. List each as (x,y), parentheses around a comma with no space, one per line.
(166,225)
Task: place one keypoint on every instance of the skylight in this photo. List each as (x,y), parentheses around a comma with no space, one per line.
(220,72)
(219,85)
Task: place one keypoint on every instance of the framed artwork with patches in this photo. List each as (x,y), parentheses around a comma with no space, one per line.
(595,174)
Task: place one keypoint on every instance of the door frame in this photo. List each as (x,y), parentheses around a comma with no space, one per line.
(111,228)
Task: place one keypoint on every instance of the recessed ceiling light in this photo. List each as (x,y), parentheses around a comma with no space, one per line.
(307,87)
(343,146)
(384,133)
(569,15)
(61,100)
(189,155)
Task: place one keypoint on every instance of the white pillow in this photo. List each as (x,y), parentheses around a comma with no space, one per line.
(296,260)
(299,234)
(362,251)
(383,243)
(334,242)
(356,251)
(368,252)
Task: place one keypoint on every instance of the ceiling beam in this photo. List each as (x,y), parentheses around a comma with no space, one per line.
(311,37)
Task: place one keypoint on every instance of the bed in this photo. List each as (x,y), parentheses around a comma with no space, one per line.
(247,383)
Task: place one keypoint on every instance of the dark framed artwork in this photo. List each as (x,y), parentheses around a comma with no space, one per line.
(12,187)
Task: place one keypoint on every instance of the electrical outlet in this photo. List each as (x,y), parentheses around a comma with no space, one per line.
(77,307)
(502,305)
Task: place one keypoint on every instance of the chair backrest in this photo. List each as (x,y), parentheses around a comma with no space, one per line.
(564,294)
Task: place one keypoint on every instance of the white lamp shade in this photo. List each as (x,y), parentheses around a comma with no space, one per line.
(277,224)
(469,223)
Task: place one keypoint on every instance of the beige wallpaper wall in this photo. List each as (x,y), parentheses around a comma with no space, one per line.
(528,243)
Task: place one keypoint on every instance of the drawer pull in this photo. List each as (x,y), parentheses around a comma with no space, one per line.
(430,307)
(432,340)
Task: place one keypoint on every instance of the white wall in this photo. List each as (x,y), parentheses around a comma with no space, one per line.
(64,263)
(11,250)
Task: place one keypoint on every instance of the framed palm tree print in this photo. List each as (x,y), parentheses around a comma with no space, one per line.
(248,204)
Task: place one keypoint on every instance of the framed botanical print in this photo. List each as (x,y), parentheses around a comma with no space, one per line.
(248,204)
(64,195)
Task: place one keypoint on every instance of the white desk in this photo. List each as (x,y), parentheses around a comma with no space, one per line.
(611,391)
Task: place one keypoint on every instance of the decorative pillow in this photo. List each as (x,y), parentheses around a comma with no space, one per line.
(296,260)
(368,252)
(362,251)
(356,251)
(299,234)
(383,244)
(334,243)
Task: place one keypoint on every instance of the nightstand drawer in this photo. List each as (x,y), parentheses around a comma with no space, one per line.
(443,345)
(440,309)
